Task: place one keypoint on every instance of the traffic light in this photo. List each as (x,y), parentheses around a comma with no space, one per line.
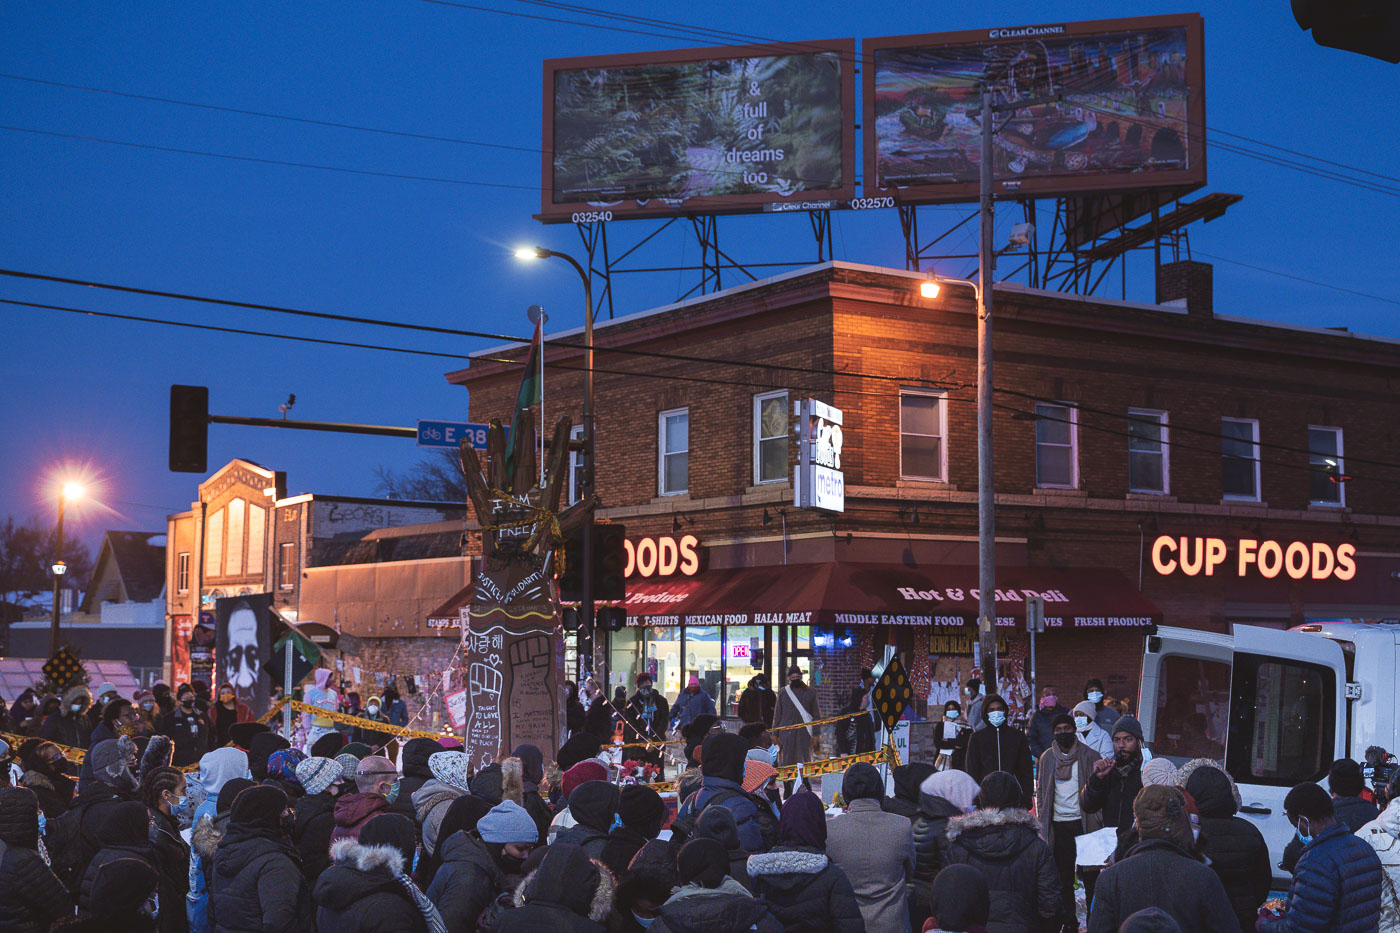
(612,618)
(609,562)
(189,429)
(1367,27)
(569,560)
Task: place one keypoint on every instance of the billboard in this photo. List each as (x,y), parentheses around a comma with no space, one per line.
(743,128)
(1126,109)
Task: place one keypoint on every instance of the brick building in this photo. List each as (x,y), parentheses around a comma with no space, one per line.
(1155,464)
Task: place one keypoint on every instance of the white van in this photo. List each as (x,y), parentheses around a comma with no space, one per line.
(1278,707)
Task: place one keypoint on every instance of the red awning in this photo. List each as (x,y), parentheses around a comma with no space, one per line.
(448,615)
(836,593)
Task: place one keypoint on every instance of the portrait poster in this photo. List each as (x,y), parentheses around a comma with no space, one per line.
(243,633)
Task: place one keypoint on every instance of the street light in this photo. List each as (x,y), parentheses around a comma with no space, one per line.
(527,253)
(69,491)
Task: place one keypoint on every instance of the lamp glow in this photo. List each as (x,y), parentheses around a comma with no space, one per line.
(528,252)
(72,491)
(59,568)
(929,288)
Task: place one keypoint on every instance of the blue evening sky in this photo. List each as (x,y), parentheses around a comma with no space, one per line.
(92,392)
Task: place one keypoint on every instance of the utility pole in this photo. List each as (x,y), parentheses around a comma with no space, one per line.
(986,488)
(57,569)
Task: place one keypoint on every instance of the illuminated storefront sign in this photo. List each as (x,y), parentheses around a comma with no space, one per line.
(818,481)
(663,556)
(1268,558)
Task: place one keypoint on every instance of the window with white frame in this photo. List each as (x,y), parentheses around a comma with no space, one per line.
(575,491)
(214,545)
(1239,451)
(673,444)
(770,437)
(1147,451)
(1056,446)
(923,424)
(182,572)
(1325,466)
(287,565)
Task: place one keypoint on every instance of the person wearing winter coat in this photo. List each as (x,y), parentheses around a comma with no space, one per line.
(260,749)
(942,796)
(722,759)
(950,736)
(111,786)
(43,765)
(125,832)
(568,893)
(322,779)
(1106,714)
(1233,846)
(31,896)
(69,724)
(1351,810)
(121,901)
(999,747)
(256,885)
(592,805)
(959,901)
(187,727)
(375,779)
(643,813)
(1338,881)
(476,864)
(646,715)
(584,771)
(757,702)
(1163,870)
(692,702)
(527,784)
(644,887)
(874,848)
(1115,782)
(907,779)
(803,888)
(1002,841)
(1383,835)
(707,900)
(451,778)
(796,745)
(1040,727)
(1090,732)
(1061,774)
(204,845)
(461,817)
(165,796)
(717,823)
(416,773)
(227,711)
(366,888)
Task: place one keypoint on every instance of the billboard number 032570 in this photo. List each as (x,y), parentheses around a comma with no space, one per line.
(866,204)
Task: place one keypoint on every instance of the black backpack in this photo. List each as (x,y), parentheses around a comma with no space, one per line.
(767,821)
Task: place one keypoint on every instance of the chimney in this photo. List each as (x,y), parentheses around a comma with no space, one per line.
(1187,284)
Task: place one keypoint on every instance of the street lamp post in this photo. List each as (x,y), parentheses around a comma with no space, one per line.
(66,491)
(586,455)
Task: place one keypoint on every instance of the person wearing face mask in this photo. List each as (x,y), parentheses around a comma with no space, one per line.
(256,882)
(1090,732)
(225,712)
(367,888)
(797,704)
(372,710)
(976,696)
(1038,730)
(1000,748)
(322,779)
(1062,771)
(646,716)
(68,725)
(1115,782)
(1105,713)
(187,727)
(376,787)
(163,791)
(45,773)
(478,864)
(950,737)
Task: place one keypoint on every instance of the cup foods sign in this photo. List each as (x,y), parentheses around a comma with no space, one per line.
(819,482)
(1192,556)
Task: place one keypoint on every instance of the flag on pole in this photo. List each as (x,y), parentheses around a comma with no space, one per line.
(530,391)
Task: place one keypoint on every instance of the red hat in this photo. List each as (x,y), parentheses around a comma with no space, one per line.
(645,676)
(755,773)
(589,770)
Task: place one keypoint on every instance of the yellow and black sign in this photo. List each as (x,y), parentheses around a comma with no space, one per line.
(63,669)
(958,642)
(892,694)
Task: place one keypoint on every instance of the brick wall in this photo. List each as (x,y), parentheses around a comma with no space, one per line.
(400,656)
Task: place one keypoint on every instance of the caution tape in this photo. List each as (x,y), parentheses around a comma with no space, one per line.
(371,725)
(813,768)
(272,712)
(75,755)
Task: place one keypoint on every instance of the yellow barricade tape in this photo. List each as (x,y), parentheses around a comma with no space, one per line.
(808,768)
(75,755)
(394,732)
(272,712)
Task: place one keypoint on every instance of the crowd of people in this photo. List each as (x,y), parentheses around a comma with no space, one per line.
(344,835)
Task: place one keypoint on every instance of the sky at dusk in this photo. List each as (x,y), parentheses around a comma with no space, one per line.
(90,395)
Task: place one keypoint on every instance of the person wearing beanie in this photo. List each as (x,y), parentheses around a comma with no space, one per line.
(645,885)
(121,900)
(1338,883)
(758,777)
(999,747)
(44,772)
(489,783)
(1041,724)
(241,734)
(1158,771)
(333,743)
(806,891)
(478,864)
(376,787)
(125,832)
(707,898)
(358,749)
(1061,773)
(581,746)
(367,889)
(1346,785)
(256,882)
(349,764)
(874,848)
(1115,782)
(1002,841)
(646,716)
(797,704)
(717,823)
(567,893)
(451,778)
(261,749)
(323,781)
(643,814)
(589,770)
(1090,732)
(1232,845)
(942,796)
(31,895)
(417,753)
(282,771)
(1163,871)
(722,759)
(959,901)
(111,785)
(592,807)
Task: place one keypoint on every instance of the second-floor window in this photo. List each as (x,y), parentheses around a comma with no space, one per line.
(673,443)
(1239,451)
(923,423)
(287,566)
(1056,446)
(575,467)
(182,572)
(770,437)
(1147,451)
(1325,467)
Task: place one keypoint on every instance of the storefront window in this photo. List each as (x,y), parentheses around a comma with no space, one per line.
(741,644)
(704,658)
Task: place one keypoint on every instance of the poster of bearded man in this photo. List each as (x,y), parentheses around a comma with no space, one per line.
(243,627)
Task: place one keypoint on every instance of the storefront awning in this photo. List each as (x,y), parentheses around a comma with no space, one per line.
(448,615)
(837,594)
